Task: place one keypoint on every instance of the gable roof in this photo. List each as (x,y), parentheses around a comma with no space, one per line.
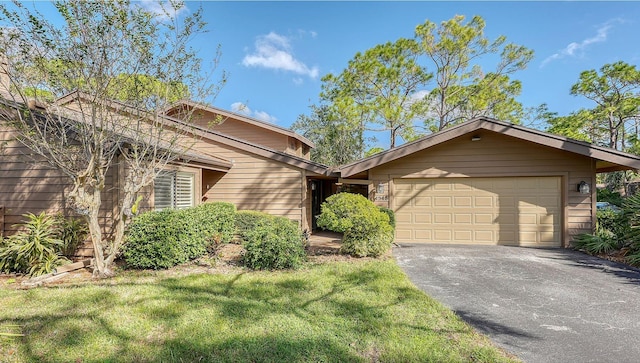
(606,159)
(250,147)
(242,118)
(210,161)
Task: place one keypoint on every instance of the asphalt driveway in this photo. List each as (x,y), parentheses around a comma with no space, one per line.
(541,305)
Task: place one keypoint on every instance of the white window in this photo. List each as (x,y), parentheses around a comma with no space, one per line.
(173,189)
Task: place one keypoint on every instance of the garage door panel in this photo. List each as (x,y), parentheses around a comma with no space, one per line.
(420,218)
(402,218)
(442,218)
(509,211)
(481,202)
(443,235)
(483,218)
(463,202)
(442,201)
(466,218)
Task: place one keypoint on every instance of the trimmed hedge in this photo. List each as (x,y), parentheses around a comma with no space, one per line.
(154,241)
(367,229)
(271,242)
(247,220)
(163,239)
(214,222)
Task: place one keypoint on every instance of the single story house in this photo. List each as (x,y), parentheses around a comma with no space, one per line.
(489,182)
(484,181)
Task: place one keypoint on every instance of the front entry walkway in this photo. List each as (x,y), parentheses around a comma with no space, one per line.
(543,305)
(325,242)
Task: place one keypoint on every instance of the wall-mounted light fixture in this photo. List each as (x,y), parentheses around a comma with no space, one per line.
(476,138)
(584,187)
(313,185)
(380,188)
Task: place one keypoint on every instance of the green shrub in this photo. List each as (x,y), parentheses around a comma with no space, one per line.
(391,214)
(339,210)
(33,250)
(273,243)
(606,195)
(210,223)
(153,241)
(246,220)
(370,236)
(163,239)
(367,229)
(72,233)
(601,242)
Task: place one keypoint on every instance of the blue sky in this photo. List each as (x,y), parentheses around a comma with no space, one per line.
(277,52)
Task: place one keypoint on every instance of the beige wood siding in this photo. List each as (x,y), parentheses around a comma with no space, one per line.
(254,183)
(243,130)
(514,211)
(497,155)
(28,184)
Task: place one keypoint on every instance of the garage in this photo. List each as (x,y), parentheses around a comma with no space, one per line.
(487,182)
(513,211)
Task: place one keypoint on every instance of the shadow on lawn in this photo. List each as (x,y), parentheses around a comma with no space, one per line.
(221,318)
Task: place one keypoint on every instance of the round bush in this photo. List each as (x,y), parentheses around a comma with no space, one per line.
(274,243)
(339,210)
(370,236)
(391,214)
(367,228)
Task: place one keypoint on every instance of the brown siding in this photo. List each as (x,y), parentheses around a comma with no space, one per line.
(500,155)
(28,184)
(244,131)
(254,183)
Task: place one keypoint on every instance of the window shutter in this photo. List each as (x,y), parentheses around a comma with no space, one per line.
(184,190)
(163,190)
(173,190)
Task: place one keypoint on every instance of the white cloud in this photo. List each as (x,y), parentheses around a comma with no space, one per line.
(164,10)
(419,96)
(298,81)
(575,49)
(274,51)
(241,108)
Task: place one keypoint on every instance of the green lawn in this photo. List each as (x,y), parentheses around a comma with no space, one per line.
(331,312)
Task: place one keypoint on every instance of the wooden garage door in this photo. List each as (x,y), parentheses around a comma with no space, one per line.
(519,211)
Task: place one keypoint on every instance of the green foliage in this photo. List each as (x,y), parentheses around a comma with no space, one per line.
(163,239)
(154,241)
(339,211)
(370,236)
(615,92)
(606,195)
(631,207)
(391,214)
(612,231)
(601,242)
(367,229)
(462,90)
(378,86)
(274,243)
(373,151)
(211,223)
(34,250)
(338,140)
(72,233)
(247,220)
